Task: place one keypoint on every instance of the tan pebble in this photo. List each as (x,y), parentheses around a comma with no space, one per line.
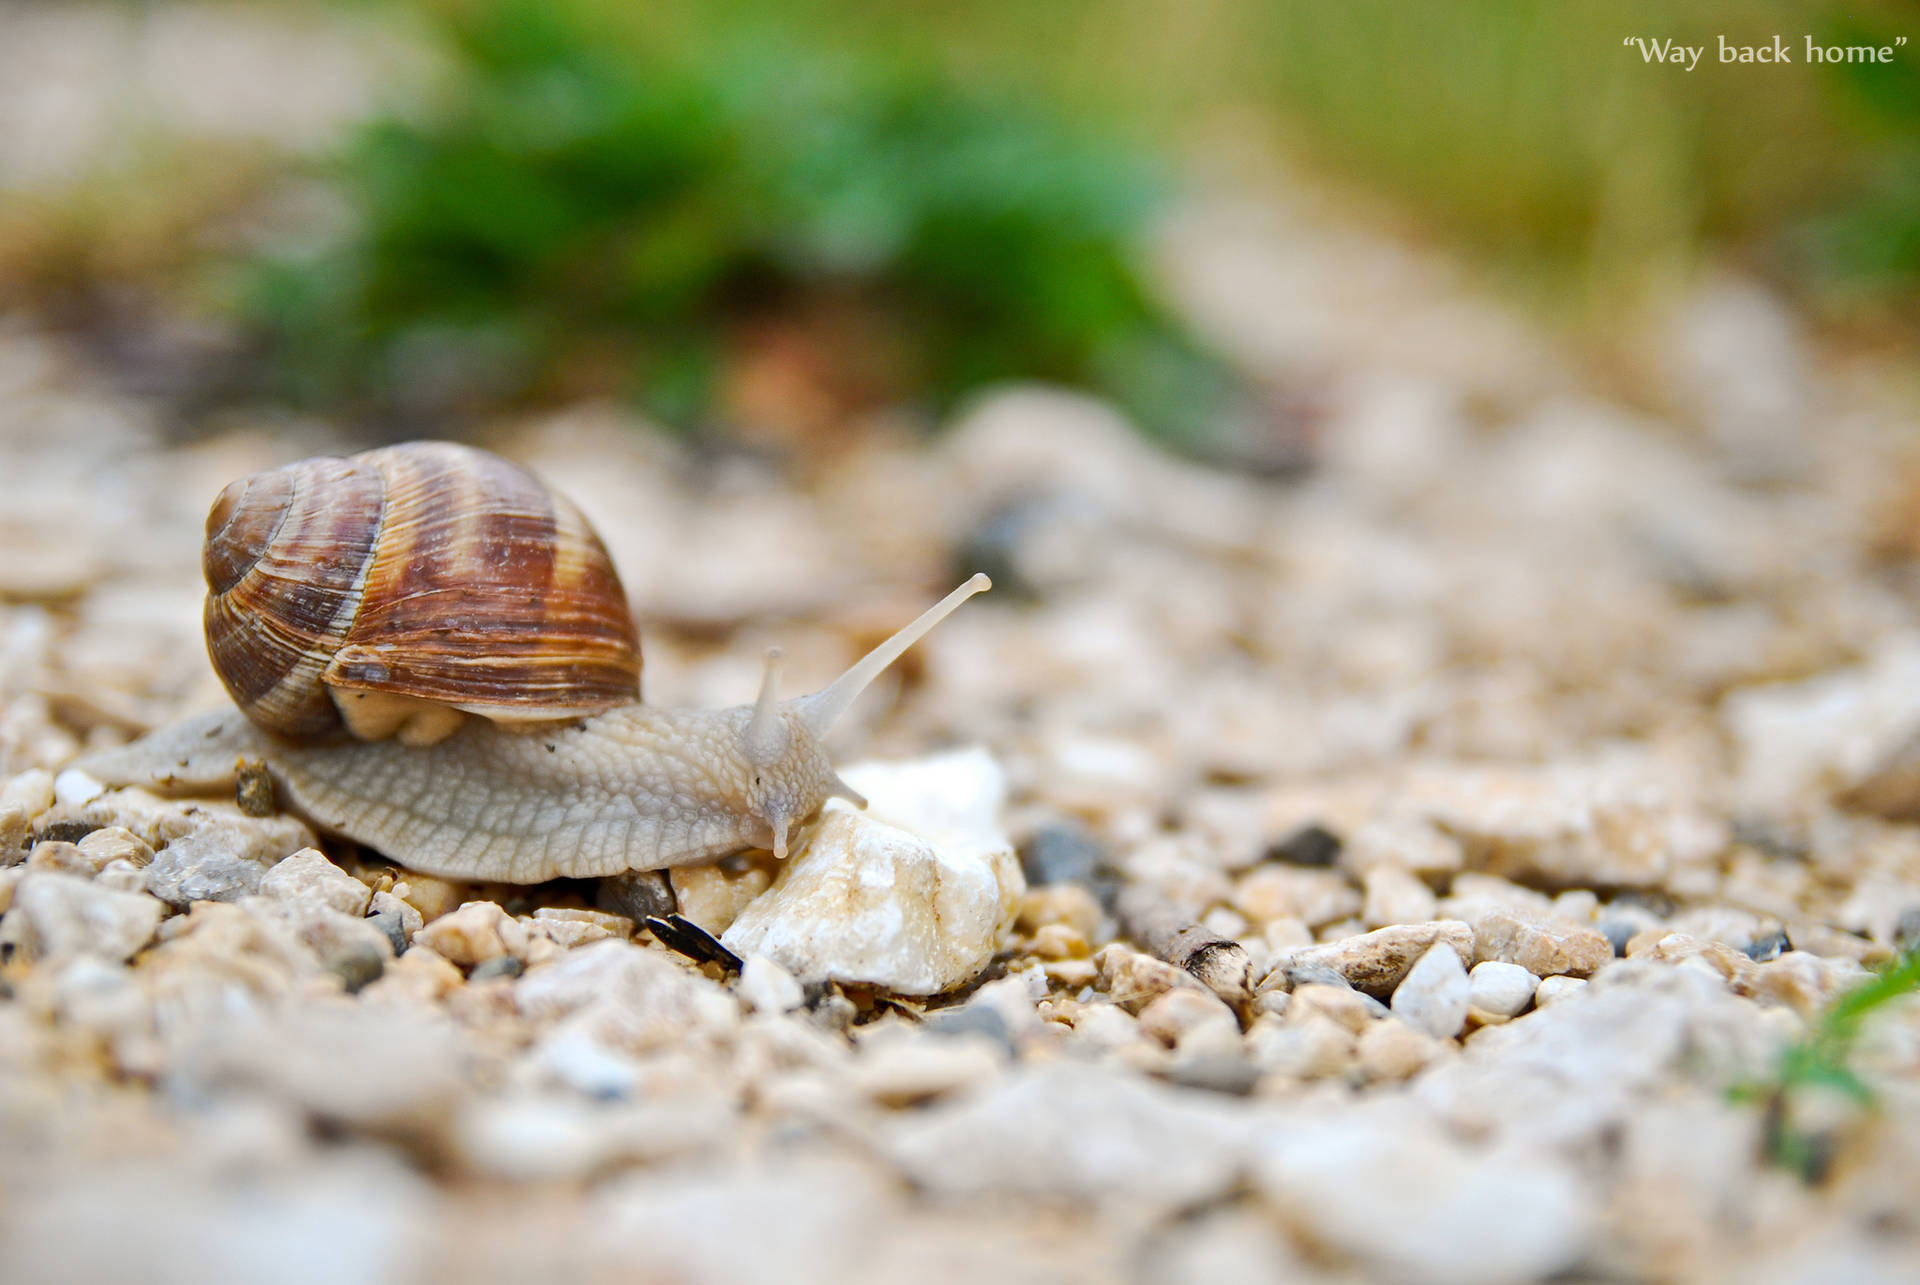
(1340,930)
(1803,981)
(122,875)
(1349,1008)
(1288,933)
(1179,1014)
(1135,980)
(572,928)
(116,843)
(1479,1017)
(476,932)
(712,896)
(903,1074)
(1577,904)
(1106,1026)
(1071,973)
(1407,842)
(58,857)
(431,896)
(31,792)
(418,977)
(9,878)
(1284,892)
(1308,1050)
(1060,903)
(307,877)
(1390,1050)
(1060,941)
(1378,961)
(1230,924)
(13,834)
(1395,896)
(1543,945)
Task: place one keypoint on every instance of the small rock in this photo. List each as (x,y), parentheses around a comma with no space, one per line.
(31,792)
(918,907)
(1434,996)
(222,857)
(307,876)
(397,919)
(1315,1048)
(1375,962)
(712,896)
(767,987)
(353,1065)
(1315,897)
(1310,845)
(636,895)
(626,997)
(1393,896)
(430,896)
(476,932)
(908,1072)
(14,830)
(1459,1215)
(1067,904)
(58,857)
(1554,989)
(1768,946)
(1185,1018)
(1392,1050)
(1063,853)
(112,843)
(1406,842)
(1071,1131)
(1501,989)
(75,789)
(55,915)
(1342,1004)
(1541,944)
(1135,980)
(572,928)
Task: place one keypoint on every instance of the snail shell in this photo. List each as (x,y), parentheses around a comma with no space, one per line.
(393,591)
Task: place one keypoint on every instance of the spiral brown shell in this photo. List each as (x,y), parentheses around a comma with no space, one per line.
(425,570)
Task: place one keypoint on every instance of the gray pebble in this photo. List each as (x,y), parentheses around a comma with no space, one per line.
(1310,845)
(1618,933)
(390,923)
(1061,853)
(357,966)
(1769,946)
(499,966)
(638,894)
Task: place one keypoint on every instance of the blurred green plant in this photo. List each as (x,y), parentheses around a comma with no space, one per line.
(739,226)
(1818,1070)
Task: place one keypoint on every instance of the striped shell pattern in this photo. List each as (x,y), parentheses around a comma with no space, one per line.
(427,570)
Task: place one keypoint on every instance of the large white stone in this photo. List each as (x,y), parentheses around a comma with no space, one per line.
(914,895)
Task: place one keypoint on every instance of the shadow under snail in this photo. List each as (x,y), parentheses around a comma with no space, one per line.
(432,655)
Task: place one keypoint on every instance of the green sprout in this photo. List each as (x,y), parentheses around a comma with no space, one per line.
(589,212)
(1820,1063)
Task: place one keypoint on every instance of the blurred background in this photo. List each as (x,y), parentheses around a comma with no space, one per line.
(770,223)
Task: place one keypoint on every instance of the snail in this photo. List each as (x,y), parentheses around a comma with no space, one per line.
(431,654)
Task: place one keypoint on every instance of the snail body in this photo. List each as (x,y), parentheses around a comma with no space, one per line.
(563,773)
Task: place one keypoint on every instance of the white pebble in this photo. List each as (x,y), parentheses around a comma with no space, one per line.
(1434,996)
(1554,989)
(31,792)
(1500,988)
(914,895)
(74,788)
(767,987)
